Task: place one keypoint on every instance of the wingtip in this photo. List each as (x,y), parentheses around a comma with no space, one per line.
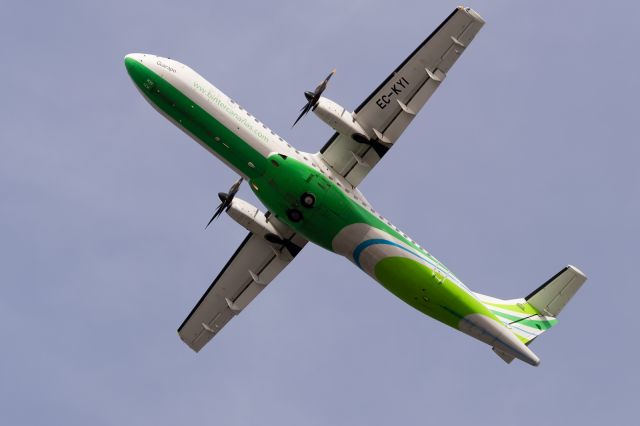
(577,271)
(473,13)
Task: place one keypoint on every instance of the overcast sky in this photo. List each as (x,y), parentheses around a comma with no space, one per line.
(525,160)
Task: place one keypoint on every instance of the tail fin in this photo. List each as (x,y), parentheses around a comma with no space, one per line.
(533,315)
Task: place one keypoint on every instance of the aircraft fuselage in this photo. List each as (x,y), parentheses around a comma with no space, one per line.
(339,219)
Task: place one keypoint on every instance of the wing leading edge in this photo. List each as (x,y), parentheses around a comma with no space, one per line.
(387,112)
(251,268)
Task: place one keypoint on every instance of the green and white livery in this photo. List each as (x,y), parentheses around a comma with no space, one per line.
(314,197)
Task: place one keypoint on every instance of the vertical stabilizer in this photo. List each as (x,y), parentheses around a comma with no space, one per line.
(551,297)
(531,316)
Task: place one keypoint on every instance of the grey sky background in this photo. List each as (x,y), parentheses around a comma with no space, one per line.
(523,161)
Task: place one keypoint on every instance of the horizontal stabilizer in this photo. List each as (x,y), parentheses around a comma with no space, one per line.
(505,356)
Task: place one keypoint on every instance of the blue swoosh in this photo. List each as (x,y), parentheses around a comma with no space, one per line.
(363,245)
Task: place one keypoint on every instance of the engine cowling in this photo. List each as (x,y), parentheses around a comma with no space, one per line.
(340,119)
(251,218)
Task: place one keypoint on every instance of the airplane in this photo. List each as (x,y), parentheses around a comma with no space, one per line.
(315,197)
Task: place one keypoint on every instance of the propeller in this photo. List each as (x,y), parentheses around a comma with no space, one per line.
(313,97)
(226,199)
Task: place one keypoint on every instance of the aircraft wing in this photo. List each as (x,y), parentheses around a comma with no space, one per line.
(387,112)
(251,268)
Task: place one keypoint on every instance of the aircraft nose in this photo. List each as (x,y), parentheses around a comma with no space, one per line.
(131,61)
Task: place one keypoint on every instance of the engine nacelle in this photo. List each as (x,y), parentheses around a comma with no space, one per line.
(340,119)
(251,218)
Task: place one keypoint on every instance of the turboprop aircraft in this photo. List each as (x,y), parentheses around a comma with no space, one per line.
(315,197)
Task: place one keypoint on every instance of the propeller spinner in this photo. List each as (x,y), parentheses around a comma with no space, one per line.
(313,97)
(226,199)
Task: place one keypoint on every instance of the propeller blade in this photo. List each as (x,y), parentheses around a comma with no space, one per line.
(234,188)
(226,199)
(313,97)
(217,213)
(323,84)
(305,110)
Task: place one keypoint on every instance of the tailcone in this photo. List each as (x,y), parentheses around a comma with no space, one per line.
(498,336)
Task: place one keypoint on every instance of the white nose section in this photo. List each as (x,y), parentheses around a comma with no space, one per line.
(138,57)
(497,335)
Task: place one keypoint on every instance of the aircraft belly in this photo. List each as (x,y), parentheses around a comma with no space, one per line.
(409,273)
(347,228)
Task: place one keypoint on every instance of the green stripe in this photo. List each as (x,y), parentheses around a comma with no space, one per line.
(523,307)
(540,324)
(196,120)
